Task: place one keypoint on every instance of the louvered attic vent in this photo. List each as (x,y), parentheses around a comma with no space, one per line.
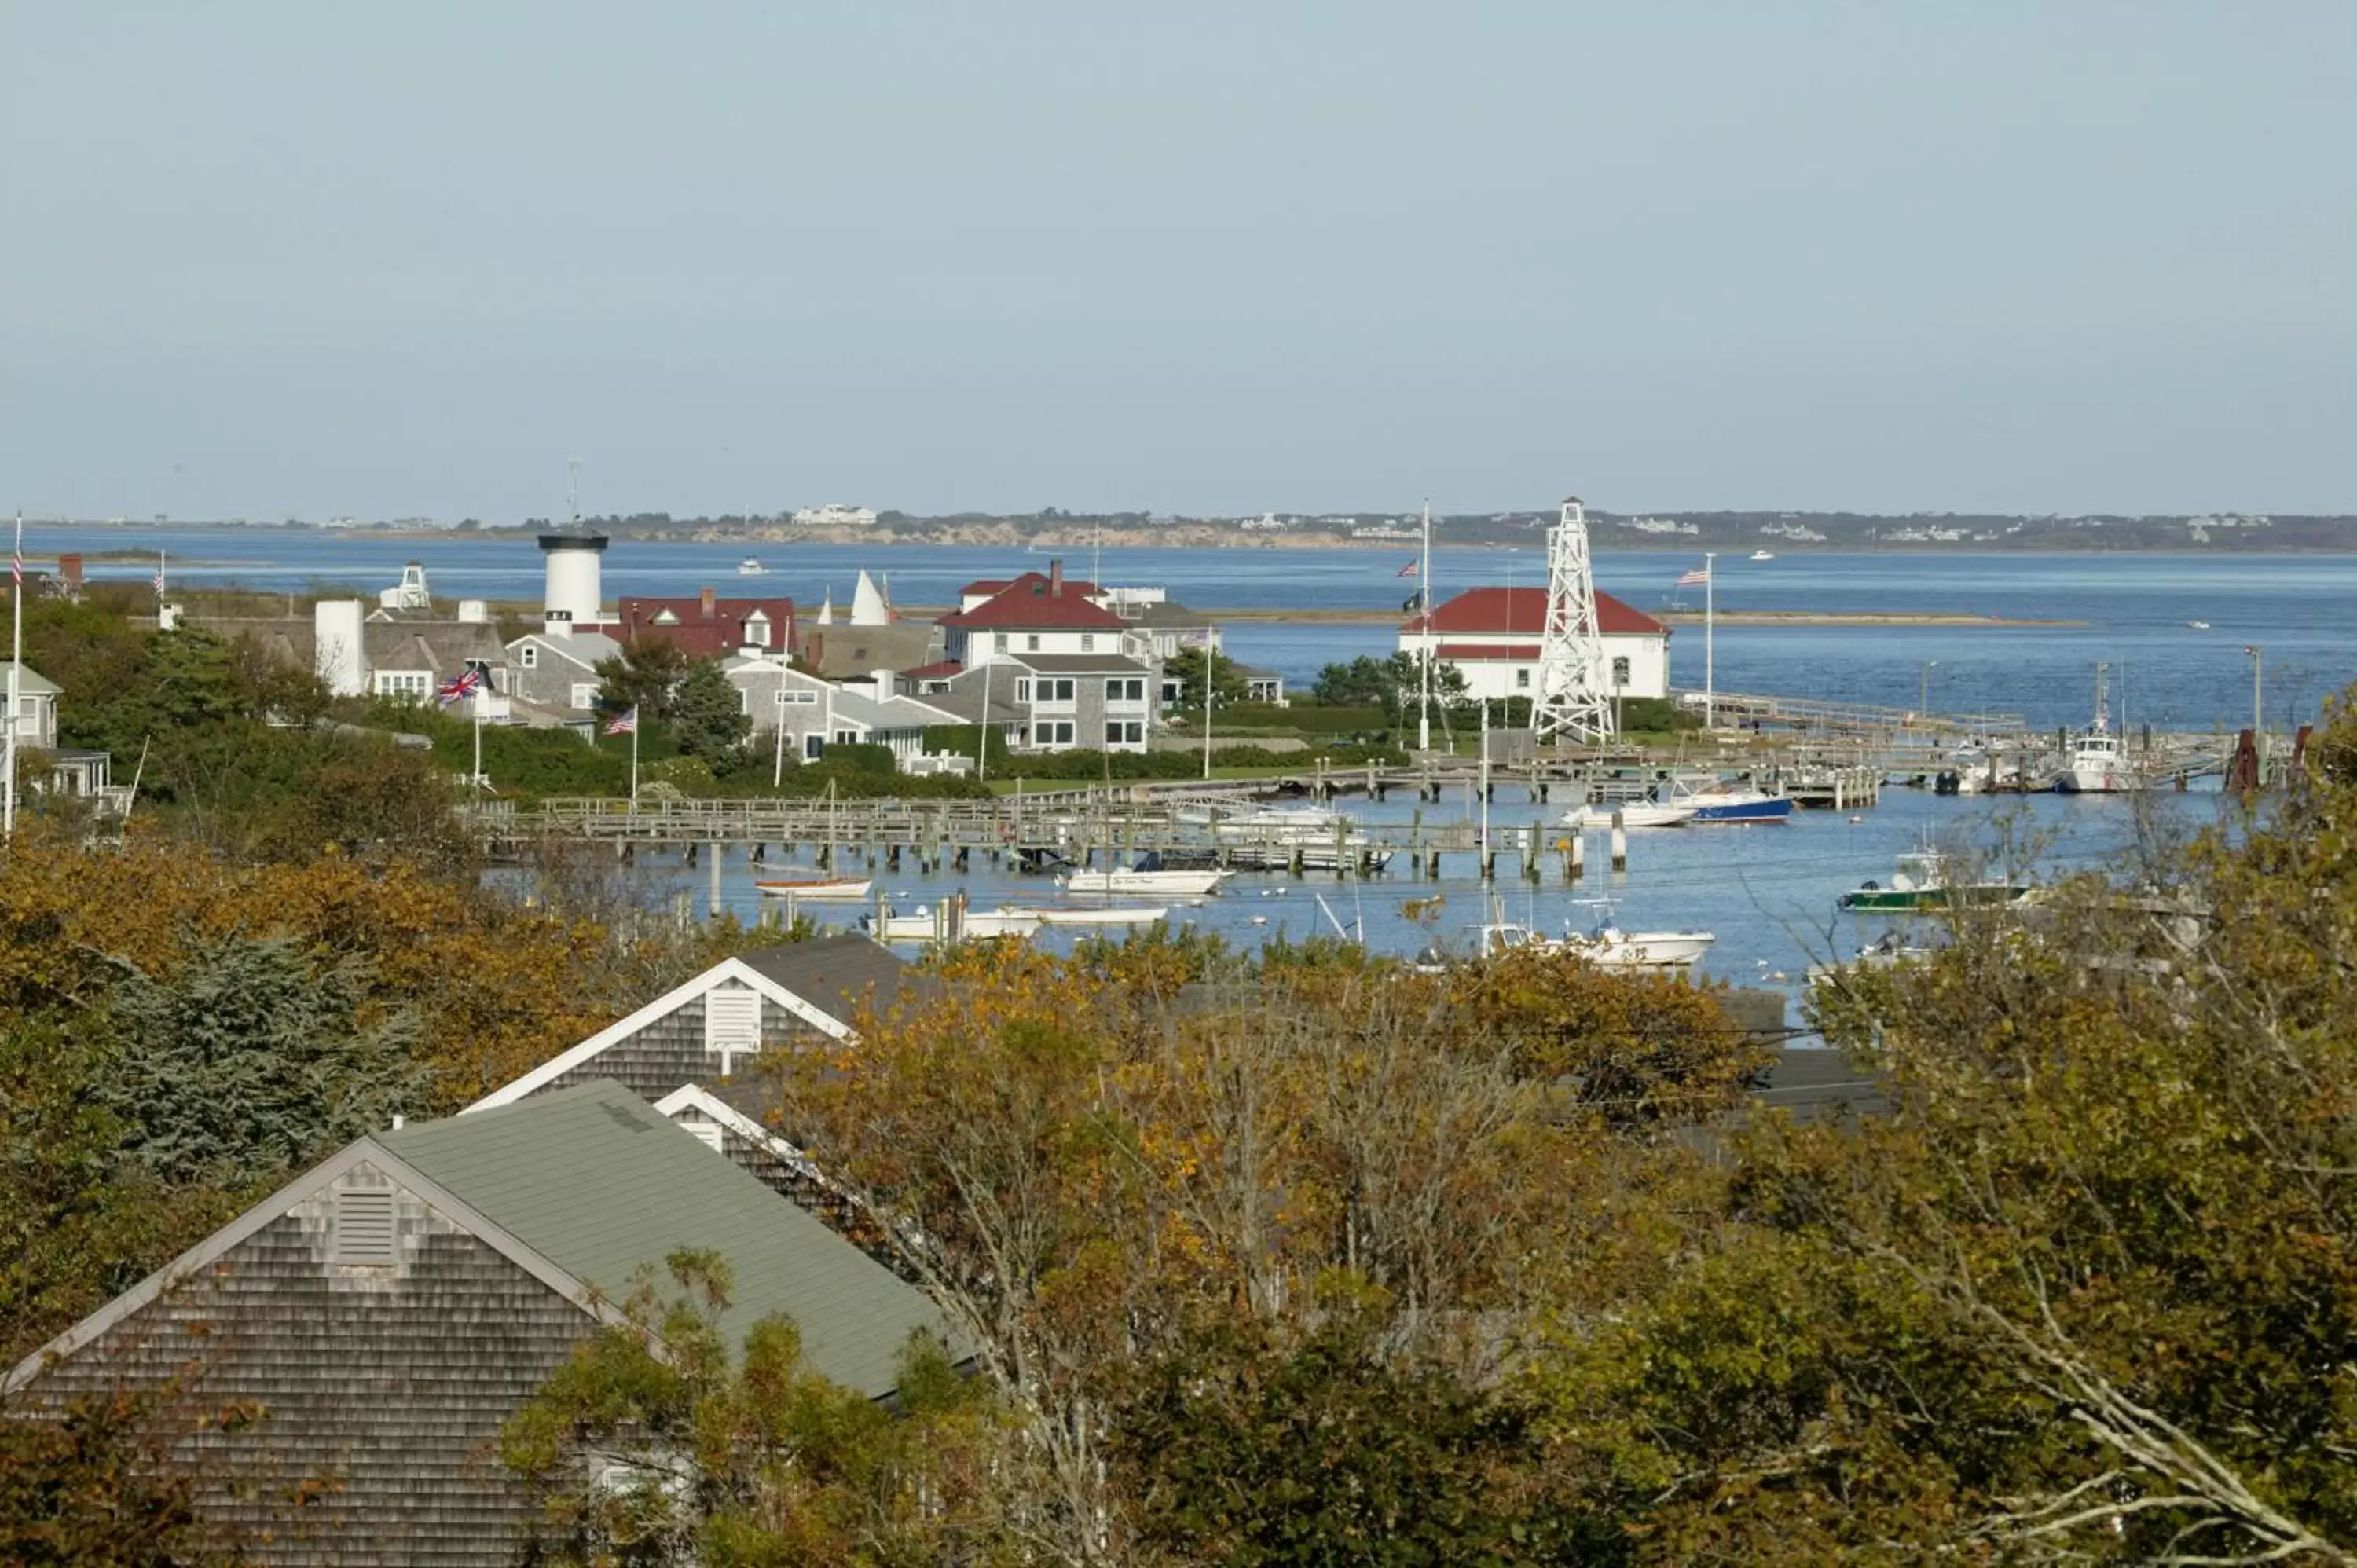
(364,1226)
(732,1022)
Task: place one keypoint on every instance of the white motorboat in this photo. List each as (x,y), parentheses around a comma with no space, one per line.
(2098,763)
(1607,947)
(751,567)
(2197,626)
(1632,814)
(1763,555)
(1733,803)
(1083,915)
(947,923)
(1151,883)
(836,888)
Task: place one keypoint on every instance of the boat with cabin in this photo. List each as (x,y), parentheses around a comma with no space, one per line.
(1148,878)
(2098,763)
(1922,884)
(1763,555)
(1724,804)
(1631,815)
(751,567)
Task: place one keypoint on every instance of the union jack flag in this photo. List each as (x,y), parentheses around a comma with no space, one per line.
(464,683)
(623,723)
(1409,570)
(1693,578)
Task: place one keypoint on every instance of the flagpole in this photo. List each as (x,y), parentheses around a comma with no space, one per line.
(1709,649)
(15,668)
(634,757)
(1424,609)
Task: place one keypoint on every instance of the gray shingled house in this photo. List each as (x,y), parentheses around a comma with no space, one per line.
(691,1052)
(391,1307)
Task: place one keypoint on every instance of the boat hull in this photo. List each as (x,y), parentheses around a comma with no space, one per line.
(1929,900)
(1644,950)
(1636,814)
(1164,883)
(1138,917)
(1768,809)
(822,892)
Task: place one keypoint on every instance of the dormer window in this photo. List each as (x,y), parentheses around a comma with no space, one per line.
(665,617)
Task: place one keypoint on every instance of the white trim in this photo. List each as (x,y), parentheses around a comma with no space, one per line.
(310,1184)
(613,1034)
(695,1097)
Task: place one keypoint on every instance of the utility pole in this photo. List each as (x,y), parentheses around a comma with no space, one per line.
(16,665)
(1207,706)
(1431,644)
(2258,725)
(1709,644)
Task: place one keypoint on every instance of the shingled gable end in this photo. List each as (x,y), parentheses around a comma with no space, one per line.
(391,1307)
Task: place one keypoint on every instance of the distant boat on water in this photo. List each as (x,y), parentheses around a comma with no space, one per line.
(2197,625)
(1763,555)
(751,567)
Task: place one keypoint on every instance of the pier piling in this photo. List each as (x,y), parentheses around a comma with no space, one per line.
(1619,845)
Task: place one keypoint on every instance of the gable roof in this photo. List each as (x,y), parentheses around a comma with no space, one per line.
(581,1189)
(989,586)
(690,630)
(726,971)
(1522,612)
(30,683)
(599,1183)
(839,973)
(1032,603)
(585,649)
(839,651)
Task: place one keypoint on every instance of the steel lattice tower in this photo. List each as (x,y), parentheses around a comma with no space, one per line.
(1574,701)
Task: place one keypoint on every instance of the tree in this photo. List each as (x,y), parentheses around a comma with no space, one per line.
(709,719)
(645,675)
(251,1061)
(748,1460)
(1363,682)
(1186,668)
(2087,1293)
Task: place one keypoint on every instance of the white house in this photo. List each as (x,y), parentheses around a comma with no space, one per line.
(1493,636)
(816,713)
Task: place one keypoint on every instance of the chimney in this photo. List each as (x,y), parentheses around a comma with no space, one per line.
(1056,578)
(707,603)
(70,571)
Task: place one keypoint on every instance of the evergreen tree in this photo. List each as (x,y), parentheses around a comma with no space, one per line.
(711,722)
(252,1060)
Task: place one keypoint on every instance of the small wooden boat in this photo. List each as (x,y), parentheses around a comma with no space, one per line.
(841,889)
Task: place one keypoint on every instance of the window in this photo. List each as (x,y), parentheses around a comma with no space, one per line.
(1522,680)
(364,1225)
(1126,689)
(1058,732)
(1125,732)
(1088,642)
(528,656)
(813,745)
(1022,691)
(998,641)
(585,694)
(789,696)
(1049,693)
(732,1024)
(1031,643)
(1621,672)
(404,683)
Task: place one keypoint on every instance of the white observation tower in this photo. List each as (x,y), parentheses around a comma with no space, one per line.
(1574,701)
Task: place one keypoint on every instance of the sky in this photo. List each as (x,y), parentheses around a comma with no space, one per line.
(309,259)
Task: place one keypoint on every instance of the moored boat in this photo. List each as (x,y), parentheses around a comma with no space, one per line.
(1607,947)
(1920,886)
(1734,805)
(1083,915)
(751,567)
(1632,814)
(1160,882)
(823,887)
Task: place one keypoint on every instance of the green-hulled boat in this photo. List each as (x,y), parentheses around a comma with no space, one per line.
(1920,886)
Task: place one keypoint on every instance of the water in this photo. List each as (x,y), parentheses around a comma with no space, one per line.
(2136,607)
(1766,893)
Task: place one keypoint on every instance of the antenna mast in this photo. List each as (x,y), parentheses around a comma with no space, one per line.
(573,489)
(1574,701)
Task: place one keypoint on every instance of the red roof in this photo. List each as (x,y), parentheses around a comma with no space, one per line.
(937,671)
(1030,602)
(1511,653)
(683,622)
(1522,612)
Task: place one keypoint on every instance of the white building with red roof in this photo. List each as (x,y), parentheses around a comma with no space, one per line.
(1034,613)
(1493,635)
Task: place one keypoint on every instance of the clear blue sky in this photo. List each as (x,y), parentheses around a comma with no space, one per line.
(2030,256)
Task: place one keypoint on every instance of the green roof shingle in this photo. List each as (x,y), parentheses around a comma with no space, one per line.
(602,1185)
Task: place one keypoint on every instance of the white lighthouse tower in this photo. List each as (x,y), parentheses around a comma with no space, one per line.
(575,591)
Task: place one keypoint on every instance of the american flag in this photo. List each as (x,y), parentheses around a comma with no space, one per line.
(464,683)
(1693,578)
(623,723)
(1409,570)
